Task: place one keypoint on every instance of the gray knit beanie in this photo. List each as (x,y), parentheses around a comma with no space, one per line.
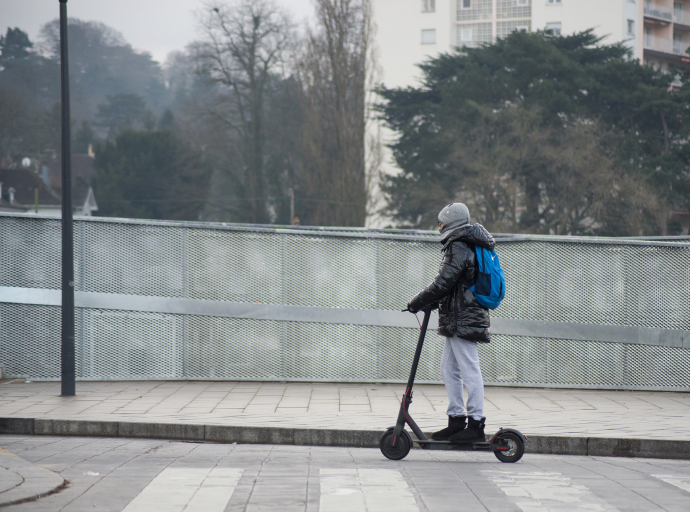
(454,215)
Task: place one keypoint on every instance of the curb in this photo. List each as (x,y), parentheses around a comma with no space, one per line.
(35,481)
(554,445)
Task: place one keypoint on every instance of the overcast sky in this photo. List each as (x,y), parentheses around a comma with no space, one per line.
(157,26)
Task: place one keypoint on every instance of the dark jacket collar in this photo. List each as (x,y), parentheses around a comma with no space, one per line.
(475,234)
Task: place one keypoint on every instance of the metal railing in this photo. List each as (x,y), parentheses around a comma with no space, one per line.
(180,300)
(680,47)
(665,45)
(659,44)
(658,11)
(678,16)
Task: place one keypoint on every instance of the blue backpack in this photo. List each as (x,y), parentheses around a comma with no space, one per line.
(490,287)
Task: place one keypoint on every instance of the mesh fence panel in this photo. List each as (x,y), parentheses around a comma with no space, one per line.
(30,340)
(136,259)
(30,253)
(553,279)
(312,266)
(235,266)
(130,345)
(658,277)
(525,280)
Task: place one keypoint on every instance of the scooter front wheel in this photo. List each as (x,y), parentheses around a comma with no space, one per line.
(402,445)
(515,447)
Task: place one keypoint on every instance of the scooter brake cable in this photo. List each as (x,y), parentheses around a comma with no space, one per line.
(420,325)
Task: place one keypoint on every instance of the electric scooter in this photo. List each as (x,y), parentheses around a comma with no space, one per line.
(507,444)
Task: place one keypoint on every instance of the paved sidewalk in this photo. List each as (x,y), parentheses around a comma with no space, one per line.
(151,475)
(21,480)
(563,413)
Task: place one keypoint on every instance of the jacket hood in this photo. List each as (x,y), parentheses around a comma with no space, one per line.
(474,234)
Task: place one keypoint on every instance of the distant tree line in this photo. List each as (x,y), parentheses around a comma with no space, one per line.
(543,134)
(536,133)
(223,130)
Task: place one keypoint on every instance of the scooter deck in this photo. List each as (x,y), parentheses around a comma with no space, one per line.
(446,445)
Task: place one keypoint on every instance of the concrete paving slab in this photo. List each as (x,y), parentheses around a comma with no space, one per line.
(560,421)
(21,480)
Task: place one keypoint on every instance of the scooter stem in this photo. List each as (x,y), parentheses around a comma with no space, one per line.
(403,416)
(418,352)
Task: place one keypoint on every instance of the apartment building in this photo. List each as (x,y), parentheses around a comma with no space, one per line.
(410,31)
(666,32)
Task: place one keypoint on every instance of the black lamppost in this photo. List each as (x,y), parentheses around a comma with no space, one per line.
(67,348)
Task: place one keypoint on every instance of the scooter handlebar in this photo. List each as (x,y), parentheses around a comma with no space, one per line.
(423,310)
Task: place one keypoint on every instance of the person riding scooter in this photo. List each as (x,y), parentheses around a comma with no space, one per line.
(462,320)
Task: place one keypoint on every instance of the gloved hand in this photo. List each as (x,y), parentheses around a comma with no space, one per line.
(410,308)
(417,309)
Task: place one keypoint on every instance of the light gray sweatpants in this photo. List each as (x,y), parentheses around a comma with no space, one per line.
(460,366)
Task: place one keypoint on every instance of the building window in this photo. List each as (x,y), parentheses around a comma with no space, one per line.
(428,5)
(631,27)
(648,37)
(677,43)
(429,36)
(553,2)
(554,28)
(503,28)
(475,10)
(677,12)
(511,9)
(474,35)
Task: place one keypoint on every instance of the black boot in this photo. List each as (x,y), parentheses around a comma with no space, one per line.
(455,424)
(472,434)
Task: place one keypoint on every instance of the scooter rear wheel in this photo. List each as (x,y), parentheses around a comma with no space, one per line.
(402,445)
(516,448)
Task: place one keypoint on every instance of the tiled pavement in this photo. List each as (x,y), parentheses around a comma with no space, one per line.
(548,412)
(143,475)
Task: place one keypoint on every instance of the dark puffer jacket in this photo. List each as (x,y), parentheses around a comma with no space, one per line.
(459,313)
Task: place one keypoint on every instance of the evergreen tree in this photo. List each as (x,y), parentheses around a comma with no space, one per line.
(121,112)
(27,74)
(14,46)
(151,175)
(509,113)
(167,120)
(103,64)
(83,137)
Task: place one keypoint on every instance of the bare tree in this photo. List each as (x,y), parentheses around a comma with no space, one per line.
(246,43)
(335,71)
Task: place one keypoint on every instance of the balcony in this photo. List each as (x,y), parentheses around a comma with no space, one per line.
(681,20)
(658,44)
(658,12)
(665,45)
(681,48)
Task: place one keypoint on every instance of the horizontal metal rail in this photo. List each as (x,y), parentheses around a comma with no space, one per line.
(349,316)
(430,237)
